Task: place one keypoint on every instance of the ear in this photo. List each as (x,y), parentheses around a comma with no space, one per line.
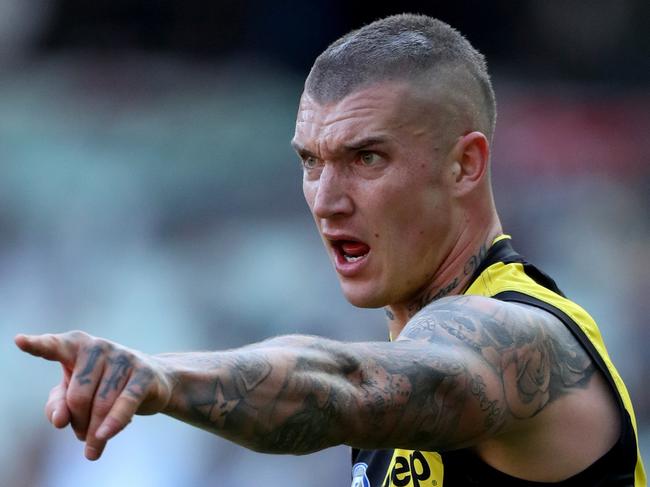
(470,158)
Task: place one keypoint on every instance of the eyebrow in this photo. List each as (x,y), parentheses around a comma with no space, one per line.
(362,144)
(300,149)
(354,146)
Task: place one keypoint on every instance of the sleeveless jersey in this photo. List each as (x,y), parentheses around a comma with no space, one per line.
(506,276)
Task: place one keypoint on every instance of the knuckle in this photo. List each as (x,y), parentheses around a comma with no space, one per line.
(129,401)
(124,358)
(126,407)
(101,344)
(78,400)
(101,407)
(75,336)
(117,423)
(105,400)
(51,340)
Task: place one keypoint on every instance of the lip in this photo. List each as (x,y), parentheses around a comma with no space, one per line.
(342,266)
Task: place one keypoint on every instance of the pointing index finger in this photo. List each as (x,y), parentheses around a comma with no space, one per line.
(61,347)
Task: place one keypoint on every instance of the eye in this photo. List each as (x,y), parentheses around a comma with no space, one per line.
(310,162)
(368,158)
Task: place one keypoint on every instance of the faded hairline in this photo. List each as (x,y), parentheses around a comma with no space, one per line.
(407,48)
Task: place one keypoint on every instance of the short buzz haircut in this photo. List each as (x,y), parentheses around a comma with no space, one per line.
(406,47)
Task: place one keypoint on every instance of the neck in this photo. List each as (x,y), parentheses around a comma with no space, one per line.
(452,277)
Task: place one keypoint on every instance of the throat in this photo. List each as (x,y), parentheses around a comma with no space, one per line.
(453,281)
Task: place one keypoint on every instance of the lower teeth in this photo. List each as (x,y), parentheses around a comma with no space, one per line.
(350,258)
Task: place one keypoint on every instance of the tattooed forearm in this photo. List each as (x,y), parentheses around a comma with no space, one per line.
(217,408)
(462,369)
(315,393)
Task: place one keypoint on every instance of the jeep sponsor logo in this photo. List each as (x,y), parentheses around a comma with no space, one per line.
(412,471)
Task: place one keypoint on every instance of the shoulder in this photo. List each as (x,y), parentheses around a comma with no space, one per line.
(532,352)
(532,381)
(478,320)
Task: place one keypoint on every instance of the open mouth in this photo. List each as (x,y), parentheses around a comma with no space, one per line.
(350,250)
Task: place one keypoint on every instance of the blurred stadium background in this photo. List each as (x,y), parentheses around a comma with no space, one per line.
(148,194)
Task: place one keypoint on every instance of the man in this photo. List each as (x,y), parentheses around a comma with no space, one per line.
(492,376)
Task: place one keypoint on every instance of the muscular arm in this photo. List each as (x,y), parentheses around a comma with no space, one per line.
(300,394)
(463,369)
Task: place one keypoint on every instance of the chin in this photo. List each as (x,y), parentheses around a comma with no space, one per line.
(361,297)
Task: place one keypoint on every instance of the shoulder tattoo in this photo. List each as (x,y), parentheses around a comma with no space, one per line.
(534,355)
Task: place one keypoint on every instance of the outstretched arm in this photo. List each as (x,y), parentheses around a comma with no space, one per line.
(463,369)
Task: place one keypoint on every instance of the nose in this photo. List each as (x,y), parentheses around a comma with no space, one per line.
(331,196)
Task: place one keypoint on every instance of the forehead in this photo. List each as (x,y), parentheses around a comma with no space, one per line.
(385,110)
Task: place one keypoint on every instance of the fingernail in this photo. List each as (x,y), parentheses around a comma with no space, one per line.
(55,414)
(102,432)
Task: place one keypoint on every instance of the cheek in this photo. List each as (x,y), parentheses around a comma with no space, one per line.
(395,222)
(413,205)
(414,218)
(309,192)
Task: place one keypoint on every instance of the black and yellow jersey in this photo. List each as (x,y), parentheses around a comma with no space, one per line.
(506,276)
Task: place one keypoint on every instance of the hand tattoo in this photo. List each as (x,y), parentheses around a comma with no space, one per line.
(93,355)
(120,368)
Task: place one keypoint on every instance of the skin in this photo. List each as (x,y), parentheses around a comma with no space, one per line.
(505,379)
(418,243)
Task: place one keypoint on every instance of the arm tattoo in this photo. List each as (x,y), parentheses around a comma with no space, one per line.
(216,410)
(491,408)
(461,369)
(531,352)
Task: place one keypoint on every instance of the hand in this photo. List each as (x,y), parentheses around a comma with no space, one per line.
(104,384)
